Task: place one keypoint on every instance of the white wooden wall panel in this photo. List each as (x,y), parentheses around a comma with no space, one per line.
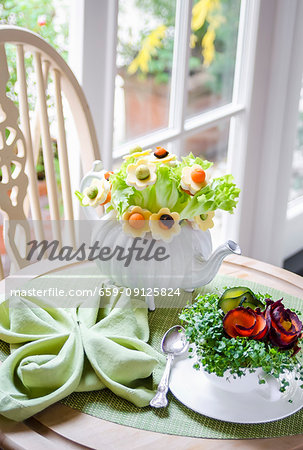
(93,42)
(265,150)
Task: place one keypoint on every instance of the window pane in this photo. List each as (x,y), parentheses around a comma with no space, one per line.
(296,186)
(213,54)
(144,62)
(212,144)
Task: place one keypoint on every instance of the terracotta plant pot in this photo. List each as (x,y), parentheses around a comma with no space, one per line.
(147,110)
(42,188)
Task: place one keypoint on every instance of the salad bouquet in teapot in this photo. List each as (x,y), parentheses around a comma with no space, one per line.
(155,192)
(167,203)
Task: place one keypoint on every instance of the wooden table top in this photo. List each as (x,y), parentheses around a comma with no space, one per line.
(61,427)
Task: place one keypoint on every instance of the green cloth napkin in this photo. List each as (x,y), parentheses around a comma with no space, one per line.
(99,344)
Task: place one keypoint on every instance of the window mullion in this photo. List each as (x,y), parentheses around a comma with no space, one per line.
(206,119)
(245,50)
(193,125)
(178,91)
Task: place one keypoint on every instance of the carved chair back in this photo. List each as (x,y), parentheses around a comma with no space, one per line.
(26,131)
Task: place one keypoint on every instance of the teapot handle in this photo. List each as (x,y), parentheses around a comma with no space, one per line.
(97,171)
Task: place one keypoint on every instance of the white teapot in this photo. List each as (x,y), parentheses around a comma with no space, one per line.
(186,262)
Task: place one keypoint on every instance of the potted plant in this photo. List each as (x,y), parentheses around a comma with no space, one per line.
(240,338)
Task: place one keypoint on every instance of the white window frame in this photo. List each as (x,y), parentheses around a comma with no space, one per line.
(178,126)
(260,105)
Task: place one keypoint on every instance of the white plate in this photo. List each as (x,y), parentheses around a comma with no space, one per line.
(263,403)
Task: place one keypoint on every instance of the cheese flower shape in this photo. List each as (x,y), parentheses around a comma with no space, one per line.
(138,152)
(205,221)
(193,178)
(165,224)
(170,158)
(136,221)
(98,193)
(141,174)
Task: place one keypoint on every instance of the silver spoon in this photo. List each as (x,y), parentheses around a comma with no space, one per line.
(173,343)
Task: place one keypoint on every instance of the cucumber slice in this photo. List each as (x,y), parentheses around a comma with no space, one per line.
(239,296)
(228,303)
(250,305)
(237,292)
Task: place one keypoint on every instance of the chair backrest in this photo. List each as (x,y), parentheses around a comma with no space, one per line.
(21,129)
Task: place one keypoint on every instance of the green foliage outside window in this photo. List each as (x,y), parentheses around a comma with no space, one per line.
(213,41)
(40,17)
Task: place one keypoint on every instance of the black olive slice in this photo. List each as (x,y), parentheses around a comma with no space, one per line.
(160,153)
(167,221)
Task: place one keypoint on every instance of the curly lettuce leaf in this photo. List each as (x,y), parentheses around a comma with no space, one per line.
(121,193)
(190,160)
(165,193)
(127,162)
(221,193)
(124,196)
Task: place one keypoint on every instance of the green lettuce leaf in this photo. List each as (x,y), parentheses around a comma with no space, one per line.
(221,193)
(166,188)
(190,160)
(165,193)
(121,193)
(150,199)
(79,196)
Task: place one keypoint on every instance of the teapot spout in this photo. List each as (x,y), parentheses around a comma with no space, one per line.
(231,248)
(212,265)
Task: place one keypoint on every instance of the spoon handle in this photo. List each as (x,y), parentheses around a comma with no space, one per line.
(160,399)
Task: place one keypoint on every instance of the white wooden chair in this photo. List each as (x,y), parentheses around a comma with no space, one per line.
(20,140)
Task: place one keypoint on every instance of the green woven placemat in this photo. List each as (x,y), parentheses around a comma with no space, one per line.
(177,419)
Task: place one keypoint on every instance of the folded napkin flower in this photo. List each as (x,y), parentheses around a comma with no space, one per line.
(57,351)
